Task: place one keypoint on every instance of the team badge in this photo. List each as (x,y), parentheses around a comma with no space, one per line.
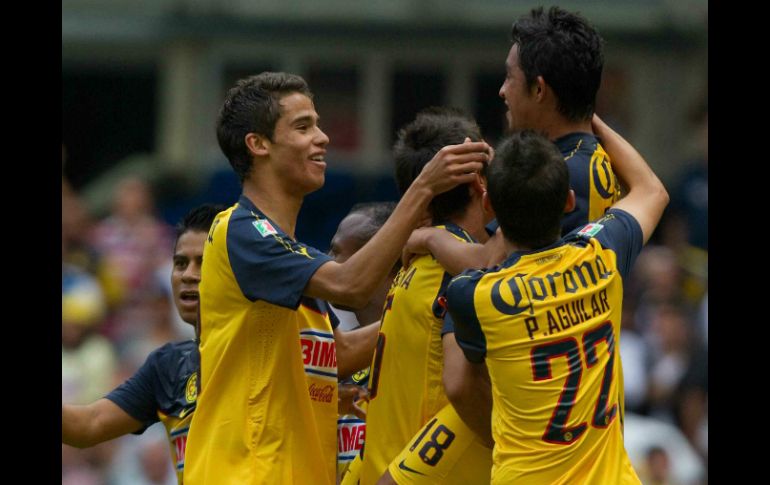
(359,376)
(191,390)
(590,230)
(264,227)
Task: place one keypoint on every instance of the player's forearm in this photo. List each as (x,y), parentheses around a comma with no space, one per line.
(76,426)
(645,190)
(353,282)
(89,425)
(453,255)
(628,164)
(468,388)
(355,349)
(473,403)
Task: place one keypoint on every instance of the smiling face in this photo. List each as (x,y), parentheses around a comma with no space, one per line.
(298,145)
(518,97)
(186,274)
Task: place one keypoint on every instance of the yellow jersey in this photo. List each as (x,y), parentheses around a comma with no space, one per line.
(406,387)
(255,420)
(547,322)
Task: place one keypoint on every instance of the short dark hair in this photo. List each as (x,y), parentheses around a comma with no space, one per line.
(567,51)
(420,140)
(198,219)
(253,106)
(377,212)
(528,185)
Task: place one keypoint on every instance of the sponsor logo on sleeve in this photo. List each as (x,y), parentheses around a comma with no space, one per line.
(351,433)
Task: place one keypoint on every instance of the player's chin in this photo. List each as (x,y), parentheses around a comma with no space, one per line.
(189,316)
(314,182)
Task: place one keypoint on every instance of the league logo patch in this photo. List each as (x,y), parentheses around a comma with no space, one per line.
(591,230)
(264,227)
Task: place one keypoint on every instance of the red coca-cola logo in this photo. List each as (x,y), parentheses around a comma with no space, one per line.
(323,394)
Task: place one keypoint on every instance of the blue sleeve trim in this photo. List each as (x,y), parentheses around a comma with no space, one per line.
(136,396)
(623,235)
(317,334)
(321,373)
(467,327)
(350,420)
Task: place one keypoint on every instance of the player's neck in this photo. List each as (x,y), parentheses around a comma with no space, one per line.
(558,126)
(472,221)
(280,206)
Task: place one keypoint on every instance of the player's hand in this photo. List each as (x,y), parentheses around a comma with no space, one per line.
(348,398)
(454,165)
(416,245)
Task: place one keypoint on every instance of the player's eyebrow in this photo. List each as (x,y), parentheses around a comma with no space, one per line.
(306,119)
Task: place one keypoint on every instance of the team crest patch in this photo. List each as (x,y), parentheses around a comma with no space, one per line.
(191,390)
(591,230)
(264,227)
(360,376)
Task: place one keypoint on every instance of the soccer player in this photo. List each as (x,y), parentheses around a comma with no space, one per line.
(546,321)
(258,418)
(553,72)
(405,385)
(356,346)
(362,222)
(165,388)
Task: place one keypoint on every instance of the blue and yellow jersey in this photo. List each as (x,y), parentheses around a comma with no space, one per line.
(164,389)
(255,421)
(590,176)
(548,323)
(406,387)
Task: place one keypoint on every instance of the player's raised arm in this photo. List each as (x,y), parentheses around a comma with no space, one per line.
(647,197)
(352,282)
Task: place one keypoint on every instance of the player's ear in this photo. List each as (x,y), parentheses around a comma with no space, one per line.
(486,204)
(257,144)
(569,206)
(539,88)
(479,185)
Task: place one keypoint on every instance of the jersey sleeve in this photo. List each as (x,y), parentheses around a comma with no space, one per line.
(267,264)
(136,396)
(621,233)
(463,318)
